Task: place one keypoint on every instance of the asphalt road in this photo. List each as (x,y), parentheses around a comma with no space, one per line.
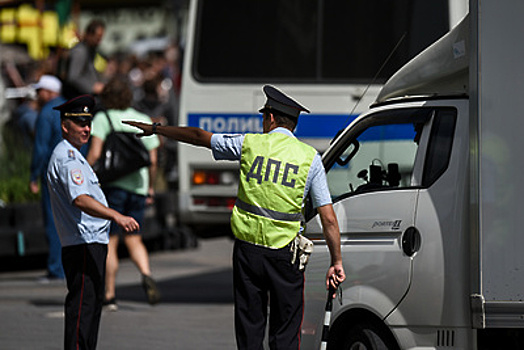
(196,311)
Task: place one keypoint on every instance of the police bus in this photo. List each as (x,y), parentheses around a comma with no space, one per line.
(331,56)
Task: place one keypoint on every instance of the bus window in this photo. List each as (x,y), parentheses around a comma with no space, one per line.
(358,36)
(311,40)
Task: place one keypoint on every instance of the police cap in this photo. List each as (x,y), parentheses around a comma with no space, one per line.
(79,108)
(279,102)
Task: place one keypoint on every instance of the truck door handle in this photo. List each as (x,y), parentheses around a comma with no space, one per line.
(411,241)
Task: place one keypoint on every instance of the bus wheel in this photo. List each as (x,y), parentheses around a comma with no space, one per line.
(365,337)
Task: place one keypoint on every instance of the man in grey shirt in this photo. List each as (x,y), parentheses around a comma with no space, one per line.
(82,77)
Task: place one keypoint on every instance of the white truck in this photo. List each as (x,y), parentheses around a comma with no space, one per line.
(426,189)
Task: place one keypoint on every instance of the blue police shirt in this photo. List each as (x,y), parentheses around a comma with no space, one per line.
(229,147)
(69,176)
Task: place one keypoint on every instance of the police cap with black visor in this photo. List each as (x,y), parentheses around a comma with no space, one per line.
(277,102)
(78,109)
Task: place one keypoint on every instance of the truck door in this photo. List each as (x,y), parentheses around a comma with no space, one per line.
(373,171)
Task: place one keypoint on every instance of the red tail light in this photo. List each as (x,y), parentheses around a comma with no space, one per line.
(215,202)
(230,202)
(213,178)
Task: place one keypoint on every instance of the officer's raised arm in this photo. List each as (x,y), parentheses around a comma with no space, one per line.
(188,134)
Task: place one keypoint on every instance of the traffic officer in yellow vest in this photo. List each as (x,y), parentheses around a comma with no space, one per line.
(277,172)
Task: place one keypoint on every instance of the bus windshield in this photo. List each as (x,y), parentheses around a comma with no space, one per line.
(311,41)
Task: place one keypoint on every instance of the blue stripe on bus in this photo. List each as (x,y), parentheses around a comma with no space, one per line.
(309,125)
(321,125)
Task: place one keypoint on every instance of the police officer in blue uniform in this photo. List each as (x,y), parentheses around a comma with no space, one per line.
(277,172)
(82,220)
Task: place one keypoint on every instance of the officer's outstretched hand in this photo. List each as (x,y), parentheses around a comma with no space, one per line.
(334,277)
(127,223)
(146,128)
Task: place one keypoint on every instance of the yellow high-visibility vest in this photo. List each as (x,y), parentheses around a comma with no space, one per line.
(273,173)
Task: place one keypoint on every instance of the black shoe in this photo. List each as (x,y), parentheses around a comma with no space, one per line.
(149,285)
(110,305)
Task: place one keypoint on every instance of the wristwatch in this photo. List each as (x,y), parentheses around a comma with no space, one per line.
(153,127)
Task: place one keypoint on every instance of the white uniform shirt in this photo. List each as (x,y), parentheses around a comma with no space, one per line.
(69,176)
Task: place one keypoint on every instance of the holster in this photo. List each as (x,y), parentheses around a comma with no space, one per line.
(301,249)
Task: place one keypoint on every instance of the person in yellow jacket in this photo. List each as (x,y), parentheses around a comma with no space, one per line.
(277,172)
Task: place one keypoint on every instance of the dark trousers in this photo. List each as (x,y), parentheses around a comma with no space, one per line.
(85,268)
(261,274)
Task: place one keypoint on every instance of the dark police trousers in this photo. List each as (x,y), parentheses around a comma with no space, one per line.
(85,269)
(259,272)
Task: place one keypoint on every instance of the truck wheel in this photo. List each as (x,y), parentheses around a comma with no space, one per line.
(365,337)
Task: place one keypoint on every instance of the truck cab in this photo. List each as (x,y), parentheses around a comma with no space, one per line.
(398,177)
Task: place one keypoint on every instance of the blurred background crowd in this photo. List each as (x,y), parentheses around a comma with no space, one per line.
(142,42)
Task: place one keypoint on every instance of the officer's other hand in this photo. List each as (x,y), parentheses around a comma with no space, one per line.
(127,223)
(146,128)
(150,199)
(98,87)
(334,277)
(34,187)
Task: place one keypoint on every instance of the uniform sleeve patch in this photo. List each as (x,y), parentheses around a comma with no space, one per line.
(77,176)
